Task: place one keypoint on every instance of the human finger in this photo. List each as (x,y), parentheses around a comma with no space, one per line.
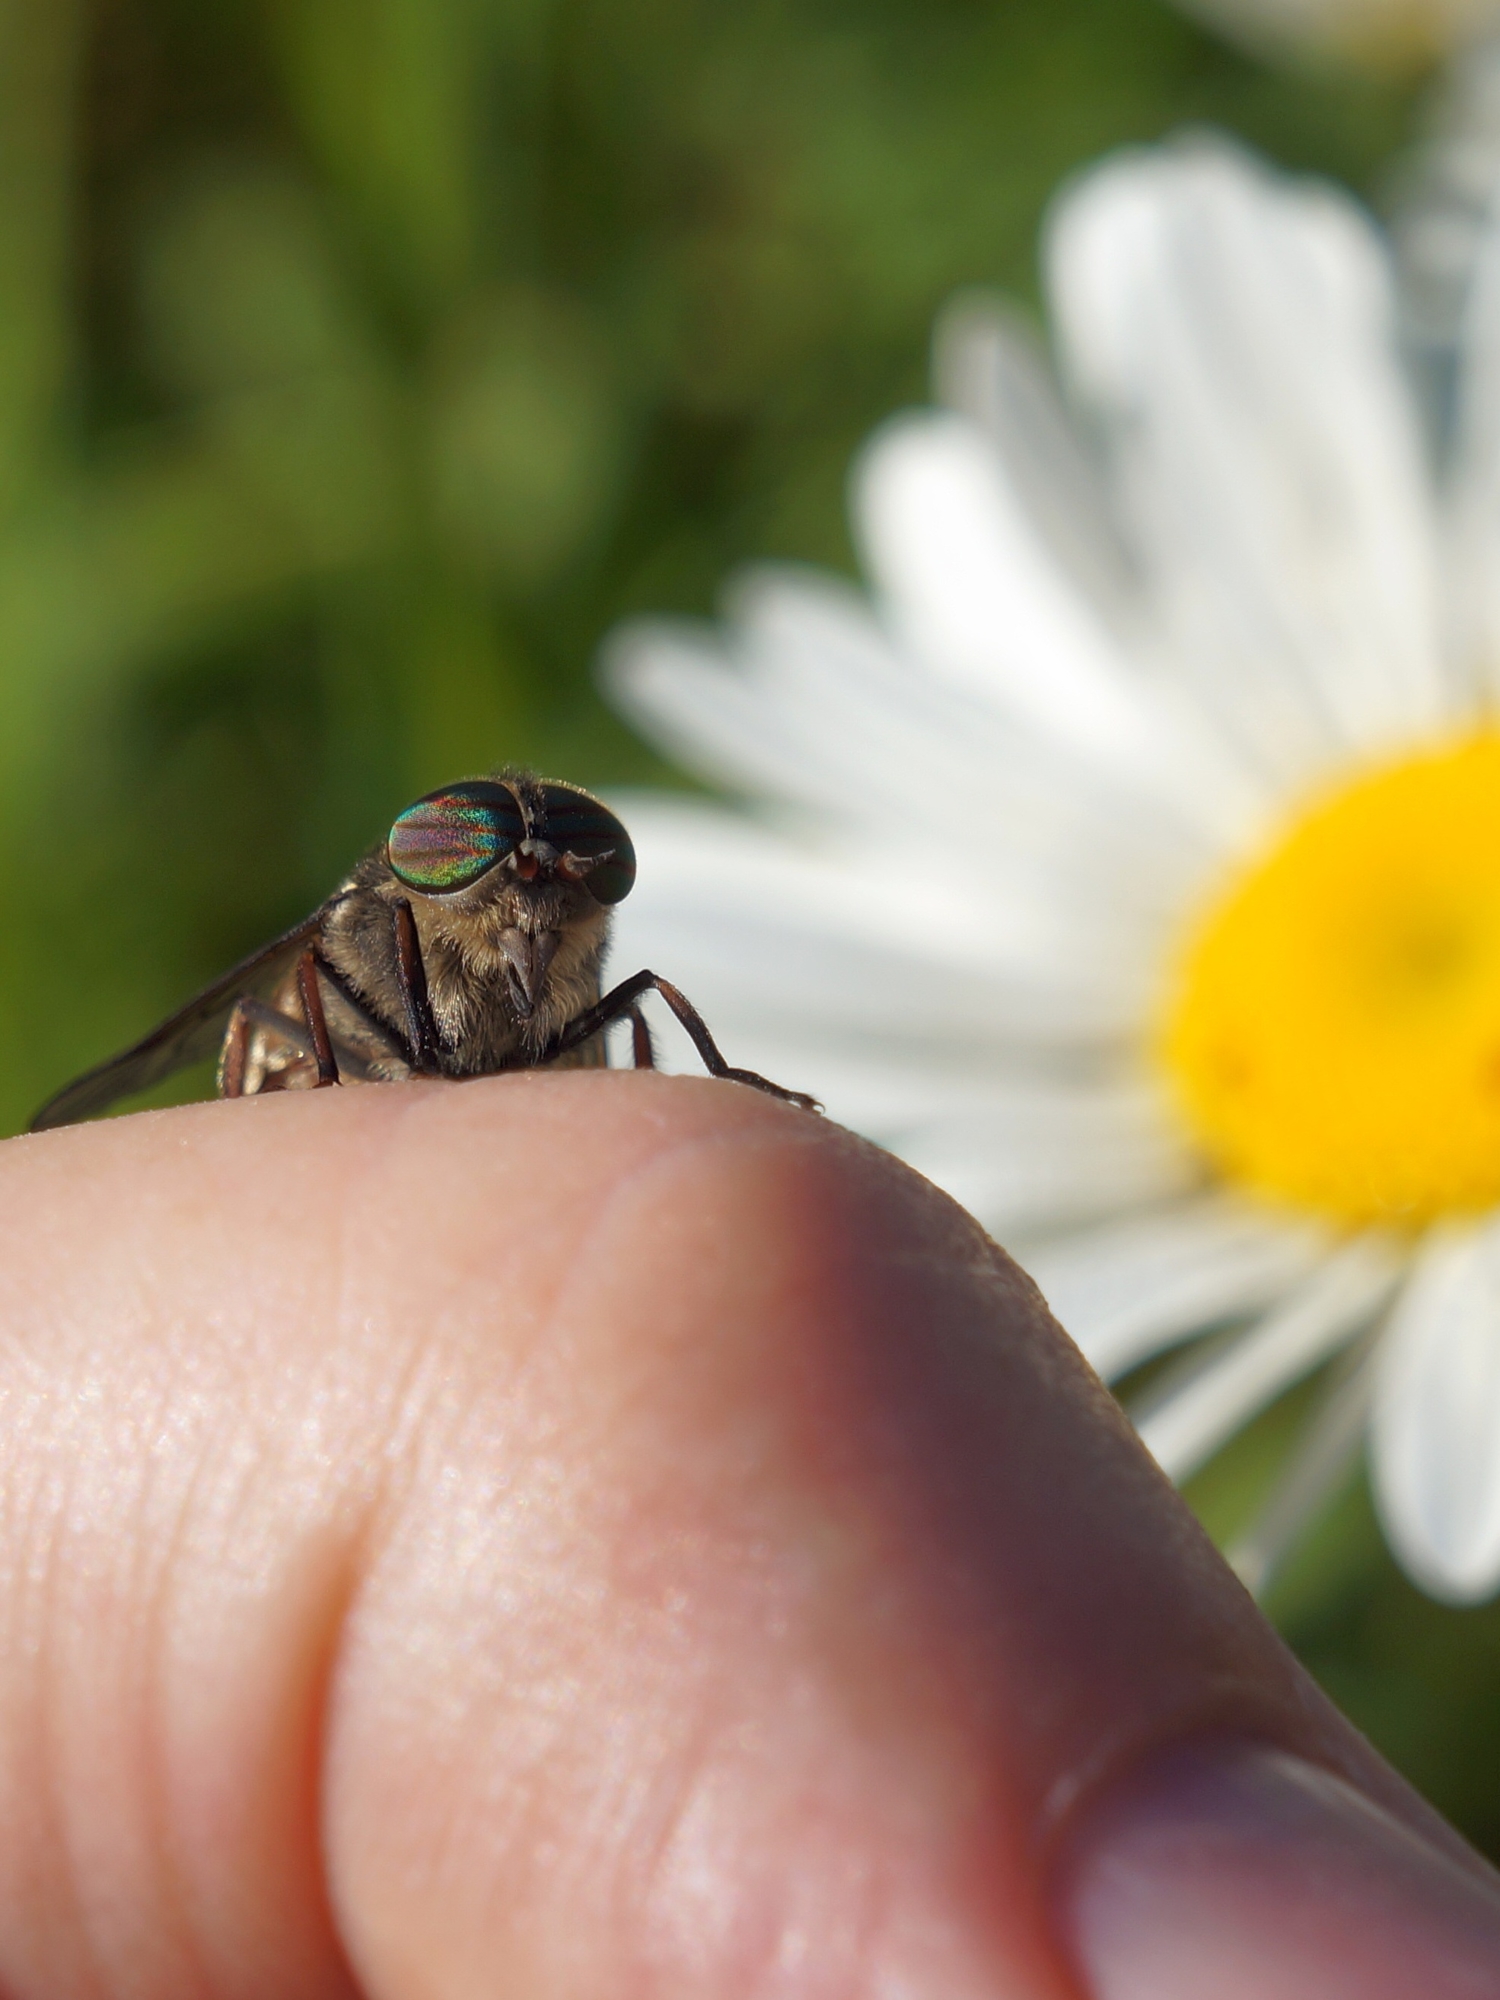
(576,1533)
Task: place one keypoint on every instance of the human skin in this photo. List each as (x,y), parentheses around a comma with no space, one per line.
(615,1535)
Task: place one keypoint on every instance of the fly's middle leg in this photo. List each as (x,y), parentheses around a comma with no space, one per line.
(234,1056)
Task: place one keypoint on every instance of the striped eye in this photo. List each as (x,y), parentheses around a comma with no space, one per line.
(579,825)
(452,837)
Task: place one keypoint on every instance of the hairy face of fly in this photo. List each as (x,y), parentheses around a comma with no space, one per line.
(528,928)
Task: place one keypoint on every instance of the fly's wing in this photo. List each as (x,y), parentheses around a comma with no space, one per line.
(193,1032)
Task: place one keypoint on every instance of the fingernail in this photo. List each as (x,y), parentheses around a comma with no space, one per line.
(1242,1873)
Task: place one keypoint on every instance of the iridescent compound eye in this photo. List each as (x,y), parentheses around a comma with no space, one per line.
(576,824)
(452,837)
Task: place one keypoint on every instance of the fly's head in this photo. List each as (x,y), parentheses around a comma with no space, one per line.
(514,880)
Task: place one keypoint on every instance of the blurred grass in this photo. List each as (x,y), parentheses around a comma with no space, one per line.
(363,360)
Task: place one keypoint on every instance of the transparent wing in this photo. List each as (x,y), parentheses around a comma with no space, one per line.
(193,1032)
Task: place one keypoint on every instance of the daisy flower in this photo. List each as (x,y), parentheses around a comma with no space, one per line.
(1127,856)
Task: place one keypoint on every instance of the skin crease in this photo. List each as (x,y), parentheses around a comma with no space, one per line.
(565,1535)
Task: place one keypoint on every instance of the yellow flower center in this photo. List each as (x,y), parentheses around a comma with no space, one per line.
(1334,1034)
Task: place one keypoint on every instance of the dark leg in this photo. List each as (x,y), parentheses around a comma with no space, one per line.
(622,1001)
(317,1025)
(640,1040)
(421,1027)
(235,1053)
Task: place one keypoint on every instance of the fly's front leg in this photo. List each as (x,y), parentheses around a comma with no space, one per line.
(708,1049)
(411,973)
(621,1001)
(311,996)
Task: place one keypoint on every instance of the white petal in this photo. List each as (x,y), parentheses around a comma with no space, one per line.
(753,709)
(976,593)
(808,705)
(801,697)
(873,940)
(992,571)
(988,366)
(1475,499)
(1183,1429)
(757,900)
(1128,1290)
(1035,1154)
(1322,1460)
(826,979)
(1232,331)
(1436,1429)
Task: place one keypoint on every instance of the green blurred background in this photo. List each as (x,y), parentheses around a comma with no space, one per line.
(361,361)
